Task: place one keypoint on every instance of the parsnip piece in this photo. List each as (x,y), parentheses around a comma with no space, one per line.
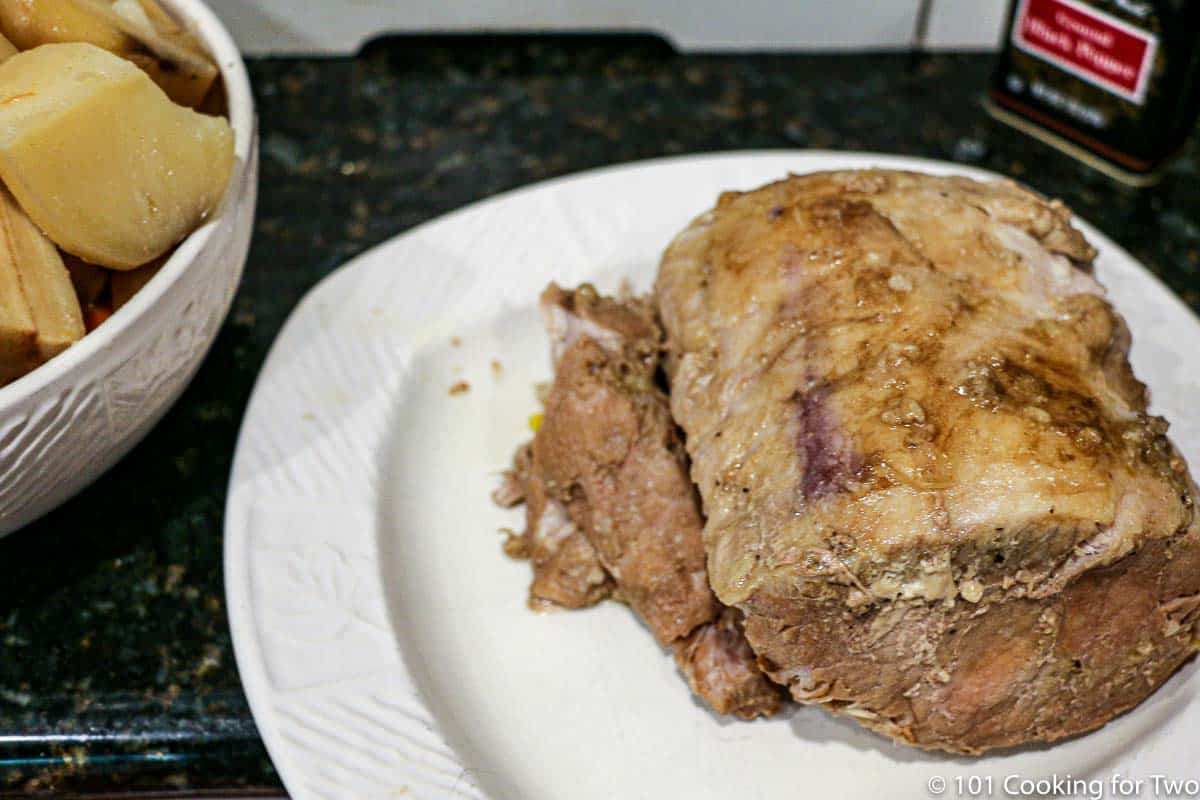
(127,283)
(7,49)
(159,17)
(101,159)
(183,85)
(18,336)
(29,23)
(133,13)
(44,281)
(173,58)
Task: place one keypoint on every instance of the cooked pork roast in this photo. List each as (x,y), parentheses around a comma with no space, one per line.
(722,669)
(928,475)
(610,508)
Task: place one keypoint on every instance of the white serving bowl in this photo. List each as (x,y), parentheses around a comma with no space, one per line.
(65,423)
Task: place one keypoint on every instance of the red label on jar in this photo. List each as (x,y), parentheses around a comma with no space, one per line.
(1097,47)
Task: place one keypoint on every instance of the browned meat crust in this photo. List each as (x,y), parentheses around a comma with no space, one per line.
(928,474)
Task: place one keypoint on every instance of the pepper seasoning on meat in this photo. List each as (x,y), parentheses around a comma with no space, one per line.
(1115,83)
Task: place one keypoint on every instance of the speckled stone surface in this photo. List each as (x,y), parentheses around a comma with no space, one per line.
(115,662)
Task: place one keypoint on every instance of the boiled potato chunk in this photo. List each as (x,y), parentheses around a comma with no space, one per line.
(45,281)
(29,23)
(101,159)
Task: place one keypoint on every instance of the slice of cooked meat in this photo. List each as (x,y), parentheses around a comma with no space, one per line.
(608,451)
(608,498)
(511,491)
(929,477)
(566,570)
(720,667)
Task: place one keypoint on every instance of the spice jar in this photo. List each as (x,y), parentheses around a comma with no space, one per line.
(1113,82)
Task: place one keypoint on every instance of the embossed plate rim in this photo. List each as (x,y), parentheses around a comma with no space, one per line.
(372,706)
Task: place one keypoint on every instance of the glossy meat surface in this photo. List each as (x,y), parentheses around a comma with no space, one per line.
(917,440)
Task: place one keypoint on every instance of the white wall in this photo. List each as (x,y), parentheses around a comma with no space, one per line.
(959,24)
(341,26)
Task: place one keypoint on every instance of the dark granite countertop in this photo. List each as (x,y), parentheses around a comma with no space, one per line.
(116,669)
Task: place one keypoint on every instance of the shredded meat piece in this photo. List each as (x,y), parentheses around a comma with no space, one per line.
(566,569)
(610,509)
(511,491)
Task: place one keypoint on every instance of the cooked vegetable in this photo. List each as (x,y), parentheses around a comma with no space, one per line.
(90,281)
(7,49)
(29,23)
(127,283)
(106,165)
(139,30)
(172,57)
(18,337)
(45,282)
(184,84)
(101,159)
(95,316)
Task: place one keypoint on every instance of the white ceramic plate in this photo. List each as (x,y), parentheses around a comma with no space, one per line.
(383,638)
